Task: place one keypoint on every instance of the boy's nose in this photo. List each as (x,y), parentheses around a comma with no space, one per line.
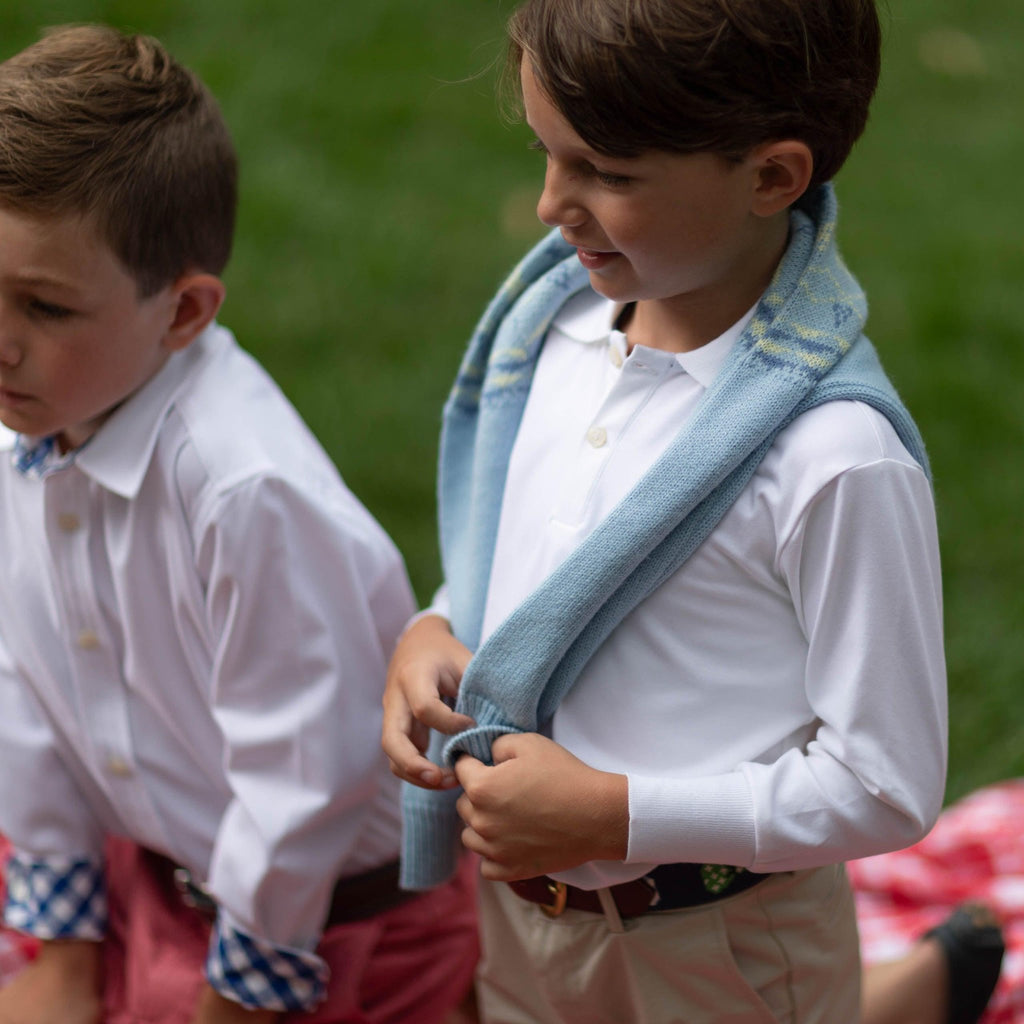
(10,350)
(558,205)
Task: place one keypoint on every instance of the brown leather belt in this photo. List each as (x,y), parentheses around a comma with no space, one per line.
(364,895)
(354,898)
(667,887)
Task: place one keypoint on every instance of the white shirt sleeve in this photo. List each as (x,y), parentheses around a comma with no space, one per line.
(441,603)
(297,677)
(52,817)
(862,565)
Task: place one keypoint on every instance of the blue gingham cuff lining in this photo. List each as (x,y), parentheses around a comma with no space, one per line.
(56,897)
(262,976)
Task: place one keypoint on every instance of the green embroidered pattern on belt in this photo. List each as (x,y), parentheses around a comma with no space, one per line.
(718,877)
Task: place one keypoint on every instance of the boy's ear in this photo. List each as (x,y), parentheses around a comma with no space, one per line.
(196,299)
(783,172)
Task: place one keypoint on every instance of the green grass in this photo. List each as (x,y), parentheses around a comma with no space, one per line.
(934,227)
(383,197)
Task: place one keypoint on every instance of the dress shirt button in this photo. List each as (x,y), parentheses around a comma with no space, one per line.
(597,436)
(68,522)
(119,767)
(615,356)
(88,640)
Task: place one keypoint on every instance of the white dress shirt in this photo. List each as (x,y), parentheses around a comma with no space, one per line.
(195,620)
(780,702)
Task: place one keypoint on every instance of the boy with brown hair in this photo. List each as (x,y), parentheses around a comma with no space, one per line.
(195,612)
(692,606)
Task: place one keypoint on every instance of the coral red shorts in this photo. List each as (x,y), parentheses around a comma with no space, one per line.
(408,965)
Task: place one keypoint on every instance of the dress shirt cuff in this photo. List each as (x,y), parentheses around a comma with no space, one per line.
(440,605)
(262,976)
(56,897)
(701,820)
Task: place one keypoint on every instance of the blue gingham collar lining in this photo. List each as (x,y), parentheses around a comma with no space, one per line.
(117,456)
(39,456)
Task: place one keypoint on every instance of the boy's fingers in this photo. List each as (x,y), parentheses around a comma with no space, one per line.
(511,745)
(468,769)
(421,772)
(437,715)
(404,739)
(423,699)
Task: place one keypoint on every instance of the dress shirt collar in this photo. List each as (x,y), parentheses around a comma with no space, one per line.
(119,454)
(589,319)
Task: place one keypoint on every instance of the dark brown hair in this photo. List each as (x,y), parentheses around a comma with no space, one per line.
(720,76)
(110,126)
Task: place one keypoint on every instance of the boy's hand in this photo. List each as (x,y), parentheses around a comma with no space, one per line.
(61,986)
(213,1008)
(540,809)
(427,665)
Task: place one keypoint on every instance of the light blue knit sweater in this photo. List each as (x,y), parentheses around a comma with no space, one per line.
(802,347)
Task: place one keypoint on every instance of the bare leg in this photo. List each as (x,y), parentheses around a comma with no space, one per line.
(911,990)
(944,979)
(61,986)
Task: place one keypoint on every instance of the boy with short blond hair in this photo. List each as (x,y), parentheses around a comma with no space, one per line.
(195,612)
(692,612)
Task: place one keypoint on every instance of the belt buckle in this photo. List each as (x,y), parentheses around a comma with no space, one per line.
(559,893)
(192,894)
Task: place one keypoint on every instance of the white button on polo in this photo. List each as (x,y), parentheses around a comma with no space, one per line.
(88,640)
(68,522)
(597,436)
(615,356)
(119,767)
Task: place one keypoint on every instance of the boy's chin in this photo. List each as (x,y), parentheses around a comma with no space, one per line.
(12,421)
(609,287)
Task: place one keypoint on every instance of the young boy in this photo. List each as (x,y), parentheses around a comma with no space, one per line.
(195,612)
(692,611)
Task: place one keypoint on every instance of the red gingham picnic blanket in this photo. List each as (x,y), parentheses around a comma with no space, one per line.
(975,852)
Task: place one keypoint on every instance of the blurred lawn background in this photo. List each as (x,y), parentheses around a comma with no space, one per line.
(383,198)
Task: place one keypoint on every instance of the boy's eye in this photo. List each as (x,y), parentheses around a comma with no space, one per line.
(49,310)
(587,168)
(613,180)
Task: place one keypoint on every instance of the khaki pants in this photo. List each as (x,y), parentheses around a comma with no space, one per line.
(784,951)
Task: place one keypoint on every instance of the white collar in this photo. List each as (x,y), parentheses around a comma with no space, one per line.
(589,318)
(118,454)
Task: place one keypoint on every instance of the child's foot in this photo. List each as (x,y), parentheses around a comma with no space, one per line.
(973,946)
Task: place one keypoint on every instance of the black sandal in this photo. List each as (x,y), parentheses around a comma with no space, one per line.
(973,944)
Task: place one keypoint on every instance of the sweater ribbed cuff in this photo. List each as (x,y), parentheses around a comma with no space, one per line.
(476,742)
(430,837)
(491,723)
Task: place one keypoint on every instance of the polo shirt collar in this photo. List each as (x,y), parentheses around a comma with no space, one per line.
(589,318)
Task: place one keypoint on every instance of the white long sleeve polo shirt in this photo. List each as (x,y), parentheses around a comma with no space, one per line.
(780,701)
(195,620)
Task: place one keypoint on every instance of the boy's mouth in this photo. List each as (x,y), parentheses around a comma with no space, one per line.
(9,397)
(594,259)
